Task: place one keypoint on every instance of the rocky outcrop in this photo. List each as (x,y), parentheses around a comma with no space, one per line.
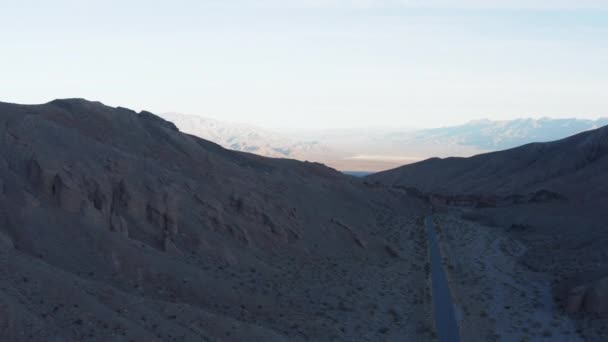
(575,299)
(158,120)
(356,237)
(590,298)
(596,297)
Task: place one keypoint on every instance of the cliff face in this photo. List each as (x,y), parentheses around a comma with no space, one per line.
(117,226)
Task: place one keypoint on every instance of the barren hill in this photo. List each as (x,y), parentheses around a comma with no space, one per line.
(575,166)
(548,197)
(116,226)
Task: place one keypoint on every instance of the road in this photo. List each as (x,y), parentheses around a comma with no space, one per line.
(445,319)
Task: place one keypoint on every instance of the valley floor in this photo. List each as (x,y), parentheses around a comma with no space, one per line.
(496,297)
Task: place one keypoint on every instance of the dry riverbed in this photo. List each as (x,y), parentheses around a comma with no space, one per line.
(497,298)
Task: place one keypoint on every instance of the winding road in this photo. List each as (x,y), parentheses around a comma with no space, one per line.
(445,319)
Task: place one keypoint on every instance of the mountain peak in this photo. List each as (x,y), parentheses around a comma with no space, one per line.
(70,103)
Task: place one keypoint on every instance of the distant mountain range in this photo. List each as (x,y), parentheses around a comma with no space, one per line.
(499,135)
(246,138)
(373,150)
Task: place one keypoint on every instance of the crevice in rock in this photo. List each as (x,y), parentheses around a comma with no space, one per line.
(34,172)
(120,198)
(56,189)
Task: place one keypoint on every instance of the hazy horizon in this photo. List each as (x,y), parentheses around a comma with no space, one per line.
(319,64)
(371,127)
(383,127)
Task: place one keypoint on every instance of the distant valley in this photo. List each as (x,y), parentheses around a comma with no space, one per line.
(372,150)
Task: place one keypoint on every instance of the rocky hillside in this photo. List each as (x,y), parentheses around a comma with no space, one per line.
(573,167)
(549,196)
(116,226)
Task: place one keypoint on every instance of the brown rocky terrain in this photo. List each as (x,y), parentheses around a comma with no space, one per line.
(117,227)
(550,197)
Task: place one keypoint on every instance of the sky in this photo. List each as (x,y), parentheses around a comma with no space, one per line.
(313,64)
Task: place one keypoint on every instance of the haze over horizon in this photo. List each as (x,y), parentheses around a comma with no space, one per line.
(311,65)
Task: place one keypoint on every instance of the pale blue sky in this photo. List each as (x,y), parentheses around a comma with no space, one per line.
(313,64)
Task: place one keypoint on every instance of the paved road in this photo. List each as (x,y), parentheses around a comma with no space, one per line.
(445,320)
